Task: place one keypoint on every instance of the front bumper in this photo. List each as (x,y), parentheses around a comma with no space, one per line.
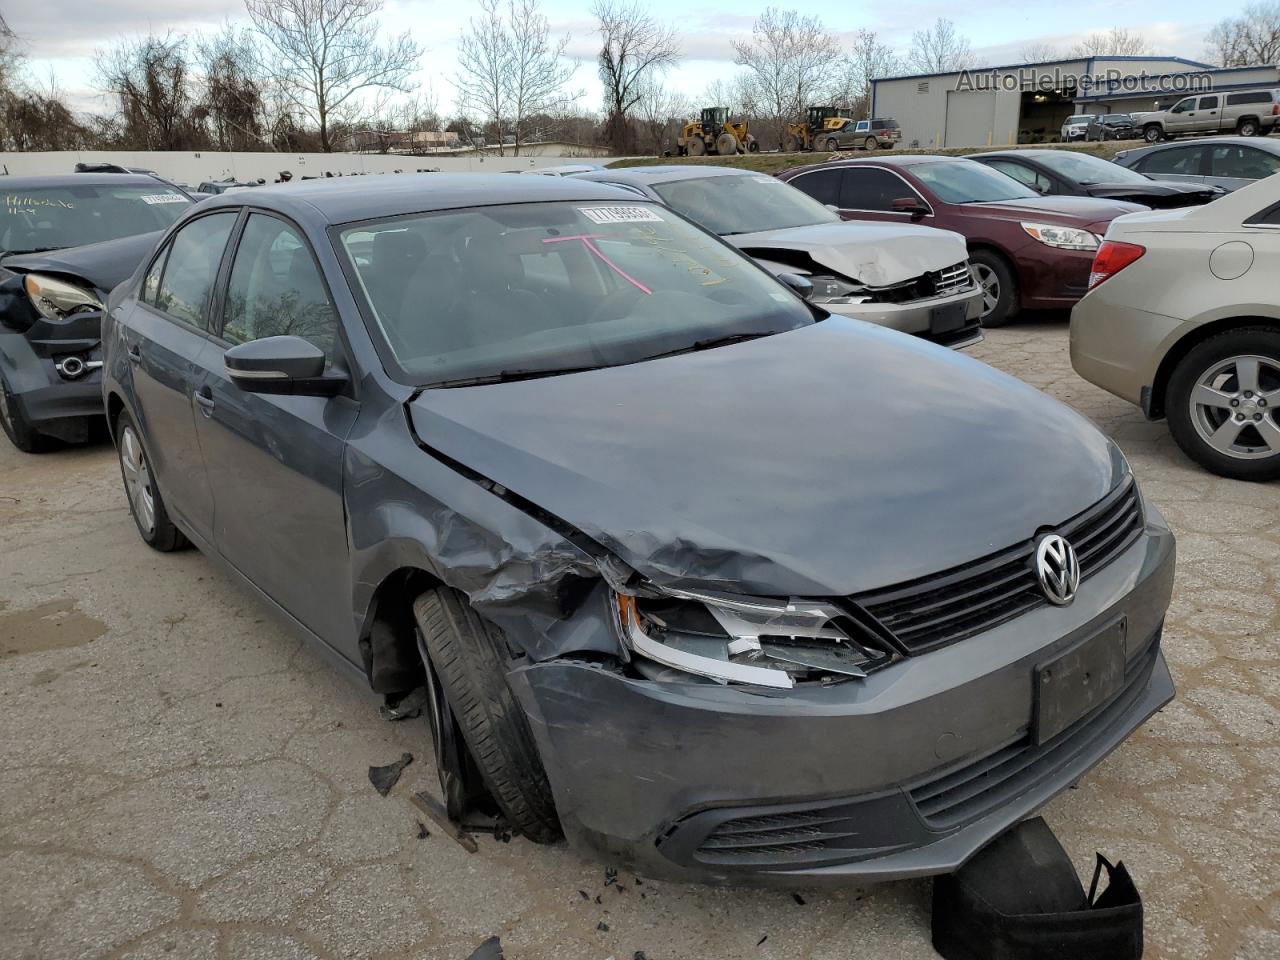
(661,777)
(1050,278)
(53,403)
(917,317)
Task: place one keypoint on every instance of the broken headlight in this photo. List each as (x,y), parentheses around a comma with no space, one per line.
(835,290)
(769,643)
(56,299)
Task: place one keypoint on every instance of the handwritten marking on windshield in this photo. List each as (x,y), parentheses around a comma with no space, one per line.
(587,239)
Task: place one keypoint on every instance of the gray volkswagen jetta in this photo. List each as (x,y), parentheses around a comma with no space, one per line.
(714,584)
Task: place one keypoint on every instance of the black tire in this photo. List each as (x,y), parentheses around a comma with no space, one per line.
(139,484)
(471,658)
(753,145)
(20,431)
(1247,127)
(791,144)
(833,145)
(1006,287)
(1152,133)
(870,144)
(1186,425)
(696,147)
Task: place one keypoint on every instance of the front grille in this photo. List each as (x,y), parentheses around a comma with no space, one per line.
(927,286)
(936,610)
(973,790)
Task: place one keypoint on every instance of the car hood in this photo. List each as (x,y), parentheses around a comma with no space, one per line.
(1154,190)
(875,254)
(1069,211)
(827,460)
(104,265)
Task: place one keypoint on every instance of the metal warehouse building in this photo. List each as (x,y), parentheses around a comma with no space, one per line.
(1027,102)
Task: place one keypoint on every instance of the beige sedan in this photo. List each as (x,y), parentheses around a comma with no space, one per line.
(1182,318)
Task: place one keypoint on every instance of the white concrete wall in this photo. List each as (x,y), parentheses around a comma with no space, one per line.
(192,168)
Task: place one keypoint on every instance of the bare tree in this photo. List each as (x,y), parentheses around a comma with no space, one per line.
(940,49)
(154,92)
(232,106)
(1116,42)
(484,67)
(662,112)
(633,48)
(539,73)
(788,61)
(1039,53)
(325,52)
(1251,38)
(867,59)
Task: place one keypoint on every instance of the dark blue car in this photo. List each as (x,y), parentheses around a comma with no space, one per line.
(684,569)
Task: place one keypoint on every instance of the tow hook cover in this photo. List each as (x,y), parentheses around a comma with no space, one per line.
(1020,899)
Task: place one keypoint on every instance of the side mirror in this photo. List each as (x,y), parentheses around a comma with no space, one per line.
(799,284)
(911,205)
(281,365)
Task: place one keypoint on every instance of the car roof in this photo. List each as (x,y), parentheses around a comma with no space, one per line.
(80,179)
(1264,143)
(347,199)
(665,173)
(896,160)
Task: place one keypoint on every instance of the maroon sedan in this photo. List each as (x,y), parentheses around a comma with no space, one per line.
(1029,251)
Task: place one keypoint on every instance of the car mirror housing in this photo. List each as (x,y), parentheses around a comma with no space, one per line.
(801,285)
(910,205)
(281,365)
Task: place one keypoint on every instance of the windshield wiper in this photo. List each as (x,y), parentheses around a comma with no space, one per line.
(508,376)
(712,342)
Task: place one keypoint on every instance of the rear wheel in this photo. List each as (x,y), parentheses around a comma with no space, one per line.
(1152,133)
(1222,404)
(696,147)
(20,431)
(471,659)
(1247,127)
(753,145)
(145,503)
(870,143)
(999,289)
(790,143)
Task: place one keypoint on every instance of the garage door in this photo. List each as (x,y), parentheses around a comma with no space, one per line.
(971,118)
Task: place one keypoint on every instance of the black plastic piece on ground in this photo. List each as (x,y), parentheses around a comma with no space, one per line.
(384,778)
(491,949)
(1020,899)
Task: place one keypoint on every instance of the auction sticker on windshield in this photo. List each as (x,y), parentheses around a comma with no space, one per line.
(620,214)
(163,198)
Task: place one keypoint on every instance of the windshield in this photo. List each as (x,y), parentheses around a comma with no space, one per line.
(546,287)
(1117,119)
(967,181)
(1083,168)
(743,204)
(1080,118)
(51,218)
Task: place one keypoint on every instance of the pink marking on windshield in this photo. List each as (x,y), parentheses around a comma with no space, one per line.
(586,239)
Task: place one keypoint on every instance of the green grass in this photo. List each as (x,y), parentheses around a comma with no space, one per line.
(777,162)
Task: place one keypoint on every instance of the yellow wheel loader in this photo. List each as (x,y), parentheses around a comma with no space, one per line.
(714,133)
(808,134)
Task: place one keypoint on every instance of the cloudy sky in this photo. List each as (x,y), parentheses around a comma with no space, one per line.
(60,36)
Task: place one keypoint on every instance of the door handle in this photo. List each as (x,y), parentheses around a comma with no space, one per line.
(134,353)
(205,399)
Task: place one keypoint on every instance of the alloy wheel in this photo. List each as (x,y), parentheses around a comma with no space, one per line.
(990,284)
(137,480)
(5,416)
(1233,407)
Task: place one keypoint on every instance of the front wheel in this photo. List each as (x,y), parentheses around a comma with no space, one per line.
(145,503)
(726,144)
(999,289)
(1152,134)
(471,659)
(790,143)
(1222,404)
(833,145)
(20,431)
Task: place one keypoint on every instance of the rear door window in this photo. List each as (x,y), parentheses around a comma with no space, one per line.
(1209,103)
(1243,163)
(871,189)
(192,267)
(822,185)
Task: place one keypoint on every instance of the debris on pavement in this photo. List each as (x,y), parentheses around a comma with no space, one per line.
(491,949)
(610,876)
(384,778)
(404,708)
(423,832)
(428,805)
(800,901)
(761,941)
(602,926)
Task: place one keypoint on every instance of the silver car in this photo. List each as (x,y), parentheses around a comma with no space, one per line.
(1075,126)
(1226,162)
(912,278)
(1182,319)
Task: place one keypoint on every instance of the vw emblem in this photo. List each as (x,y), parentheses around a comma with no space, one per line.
(1057,569)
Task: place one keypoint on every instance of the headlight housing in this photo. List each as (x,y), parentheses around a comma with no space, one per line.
(1064,238)
(57,299)
(760,642)
(835,290)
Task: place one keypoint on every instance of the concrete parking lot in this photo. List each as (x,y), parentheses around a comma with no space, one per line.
(180,778)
